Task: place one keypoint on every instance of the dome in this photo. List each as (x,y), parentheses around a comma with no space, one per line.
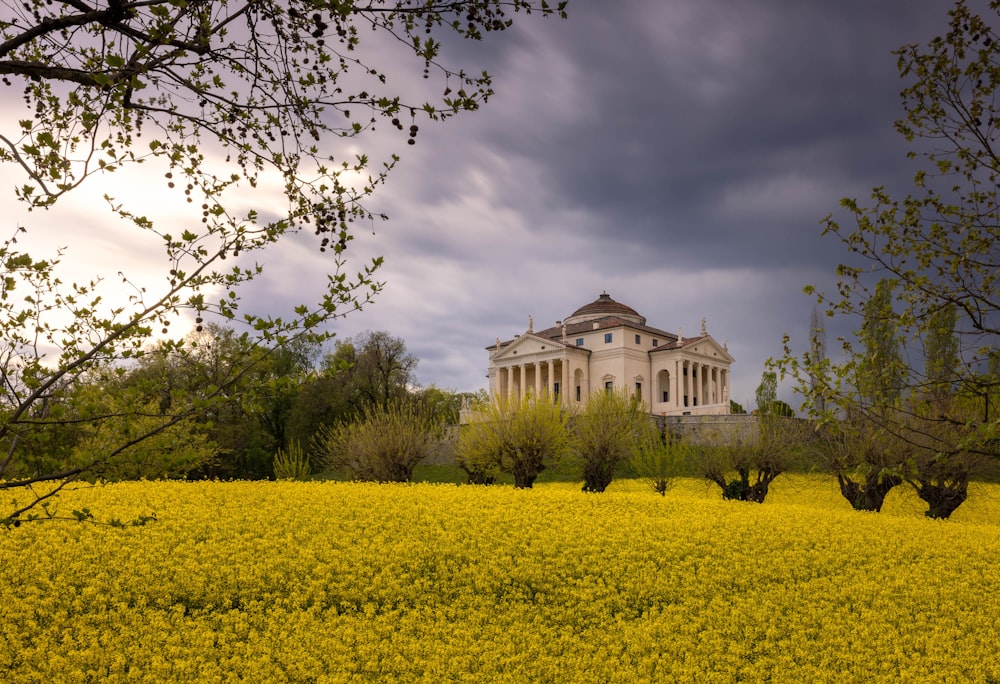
(604,307)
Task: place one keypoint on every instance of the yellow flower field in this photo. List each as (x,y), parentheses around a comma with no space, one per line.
(341,582)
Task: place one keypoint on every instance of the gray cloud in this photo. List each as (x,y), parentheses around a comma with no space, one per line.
(678,154)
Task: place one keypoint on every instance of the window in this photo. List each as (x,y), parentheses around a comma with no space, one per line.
(555,388)
(656,343)
(638,339)
(638,389)
(609,386)
(578,393)
(666,395)
(607,338)
(579,341)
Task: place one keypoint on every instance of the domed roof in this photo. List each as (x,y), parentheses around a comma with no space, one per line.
(603,307)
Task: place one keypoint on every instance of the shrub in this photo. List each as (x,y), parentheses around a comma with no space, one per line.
(383,445)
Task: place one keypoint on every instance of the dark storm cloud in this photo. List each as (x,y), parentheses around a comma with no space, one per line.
(683,109)
(680,154)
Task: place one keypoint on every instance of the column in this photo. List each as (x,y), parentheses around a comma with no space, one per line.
(566,396)
(538,378)
(684,383)
(676,382)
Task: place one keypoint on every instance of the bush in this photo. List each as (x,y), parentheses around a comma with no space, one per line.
(383,445)
(292,464)
(521,437)
(660,458)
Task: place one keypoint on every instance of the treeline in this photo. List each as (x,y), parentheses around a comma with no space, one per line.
(215,406)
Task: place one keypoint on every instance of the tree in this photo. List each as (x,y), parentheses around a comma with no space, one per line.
(521,437)
(220,98)
(941,354)
(940,245)
(866,459)
(938,472)
(375,369)
(383,369)
(383,444)
(757,452)
(606,434)
(935,250)
(881,374)
(660,458)
(817,352)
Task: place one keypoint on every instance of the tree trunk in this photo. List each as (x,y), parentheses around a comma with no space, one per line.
(943,499)
(597,475)
(870,495)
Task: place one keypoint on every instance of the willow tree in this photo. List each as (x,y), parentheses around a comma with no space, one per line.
(219,100)
(520,437)
(607,433)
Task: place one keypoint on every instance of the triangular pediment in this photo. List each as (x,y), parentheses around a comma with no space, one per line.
(707,346)
(527,345)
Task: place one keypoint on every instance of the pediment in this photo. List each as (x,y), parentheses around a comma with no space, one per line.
(526,346)
(706,346)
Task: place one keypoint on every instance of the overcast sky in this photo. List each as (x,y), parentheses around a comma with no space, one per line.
(678,154)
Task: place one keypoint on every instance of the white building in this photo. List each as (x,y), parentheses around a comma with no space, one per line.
(607,345)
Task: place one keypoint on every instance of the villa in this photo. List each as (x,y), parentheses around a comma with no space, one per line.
(606,345)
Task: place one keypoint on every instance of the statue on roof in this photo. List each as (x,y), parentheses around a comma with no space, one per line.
(531,324)
(704,326)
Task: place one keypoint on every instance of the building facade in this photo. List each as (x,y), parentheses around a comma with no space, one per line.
(606,345)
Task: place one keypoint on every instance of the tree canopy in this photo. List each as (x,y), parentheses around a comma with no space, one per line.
(923,272)
(220,99)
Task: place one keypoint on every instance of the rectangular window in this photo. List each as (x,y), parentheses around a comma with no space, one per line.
(555,389)
(638,339)
(638,389)
(685,400)
(579,341)
(607,338)
(578,393)
(609,386)
(656,343)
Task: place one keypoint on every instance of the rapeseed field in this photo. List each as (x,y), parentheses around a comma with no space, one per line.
(348,582)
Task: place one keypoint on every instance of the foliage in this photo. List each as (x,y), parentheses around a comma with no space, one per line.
(757,451)
(133,441)
(375,369)
(606,433)
(921,365)
(520,436)
(866,459)
(660,458)
(291,463)
(223,99)
(251,581)
(934,251)
(816,355)
(382,444)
